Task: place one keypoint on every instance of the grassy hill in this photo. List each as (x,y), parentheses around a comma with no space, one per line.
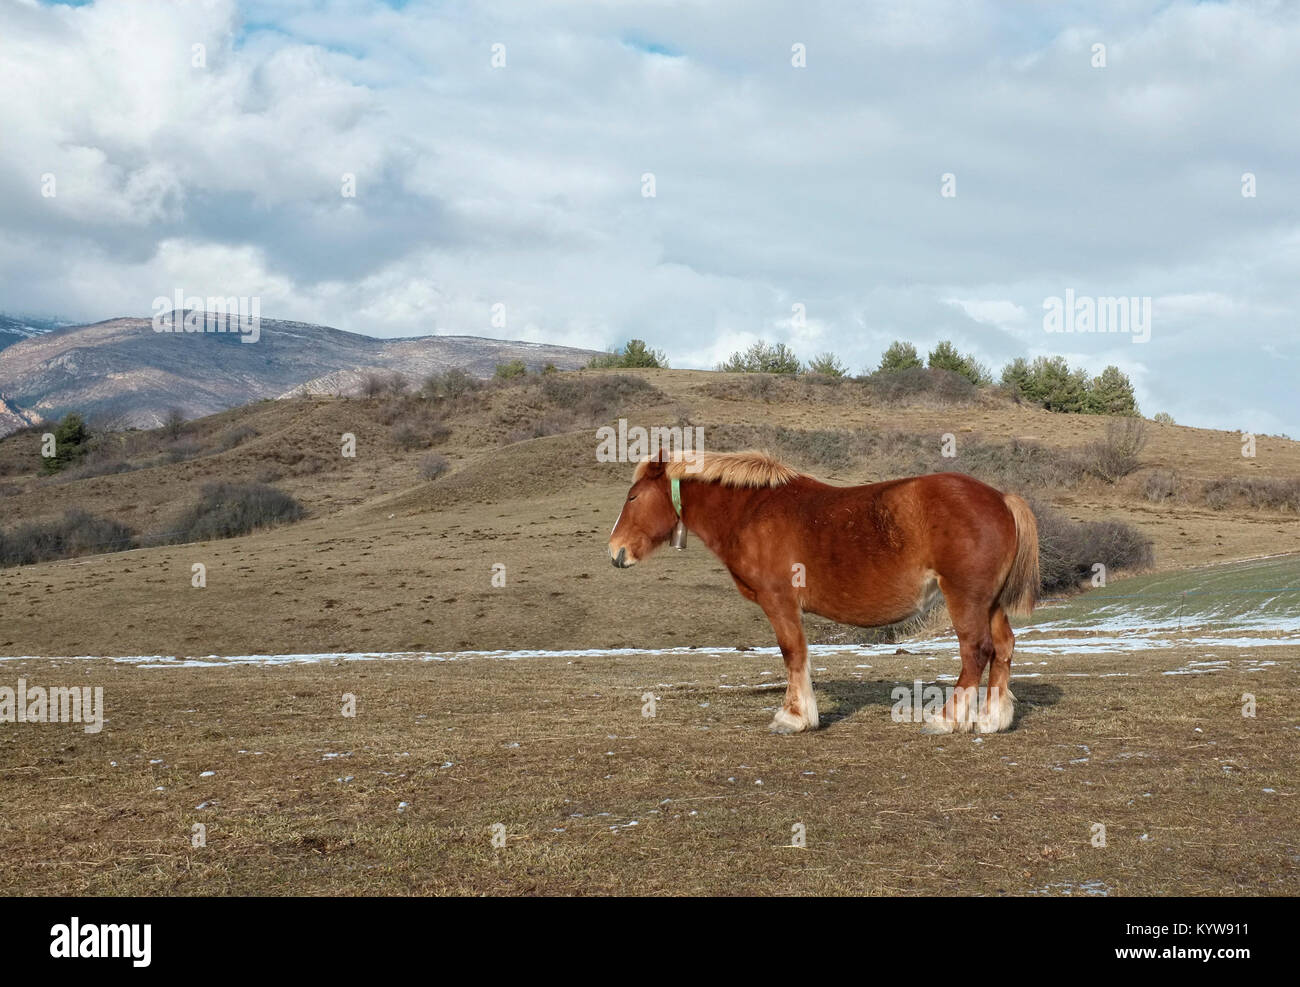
(388,560)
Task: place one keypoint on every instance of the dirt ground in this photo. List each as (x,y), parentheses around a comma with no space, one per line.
(595,797)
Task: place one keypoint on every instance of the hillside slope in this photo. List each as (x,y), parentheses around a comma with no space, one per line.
(387,561)
(15,330)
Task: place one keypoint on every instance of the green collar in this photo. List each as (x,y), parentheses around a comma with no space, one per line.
(677,495)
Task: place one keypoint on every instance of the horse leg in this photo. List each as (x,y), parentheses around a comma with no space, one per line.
(975,637)
(999,705)
(799,711)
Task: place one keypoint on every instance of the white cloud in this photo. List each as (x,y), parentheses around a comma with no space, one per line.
(775,185)
(993,311)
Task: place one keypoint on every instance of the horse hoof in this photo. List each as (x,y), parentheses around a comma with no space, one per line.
(784,722)
(999,717)
(938,725)
(996,721)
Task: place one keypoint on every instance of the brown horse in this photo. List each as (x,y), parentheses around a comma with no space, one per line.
(870,555)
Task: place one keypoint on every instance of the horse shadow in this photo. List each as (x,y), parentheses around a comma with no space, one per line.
(849,696)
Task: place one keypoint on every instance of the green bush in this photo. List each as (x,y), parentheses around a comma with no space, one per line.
(1111,393)
(763,358)
(827,365)
(633,356)
(71,441)
(900,356)
(511,369)
(1016,377)
(1051,382)
(945,357)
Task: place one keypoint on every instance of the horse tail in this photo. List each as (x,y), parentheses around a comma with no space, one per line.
(1020,590)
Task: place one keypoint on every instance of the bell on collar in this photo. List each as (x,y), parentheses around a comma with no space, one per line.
(679,535)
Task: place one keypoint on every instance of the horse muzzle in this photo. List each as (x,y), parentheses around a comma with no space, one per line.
(621,560)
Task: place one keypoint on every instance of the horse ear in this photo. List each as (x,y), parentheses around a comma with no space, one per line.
(654,467)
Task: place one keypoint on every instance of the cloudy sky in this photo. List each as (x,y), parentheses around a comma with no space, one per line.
(202,145)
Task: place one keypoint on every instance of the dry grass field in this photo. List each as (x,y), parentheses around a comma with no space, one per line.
(595,797)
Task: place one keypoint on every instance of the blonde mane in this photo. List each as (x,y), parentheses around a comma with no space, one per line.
(752,468)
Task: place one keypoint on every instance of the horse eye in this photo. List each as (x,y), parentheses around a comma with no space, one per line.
(631,497)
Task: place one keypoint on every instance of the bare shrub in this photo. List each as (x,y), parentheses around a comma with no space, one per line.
(233,437)
(759,387)
(1160,485)
(550,404)
(554,424)
(450,385)
(595,398)
(174,424)
(407,437)
(1259,492)
(917,384)
(372,385)
(824,448)
(227,510)
(1068,550)
(433,466)
(180,451)
(1117,455)
(419,432)
(312,464)
(76,533)
(802,389)
(1016,464)
(96,466)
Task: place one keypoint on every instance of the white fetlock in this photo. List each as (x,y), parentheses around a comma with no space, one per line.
(998,714)
(810,716)
(787,722)
(937,725)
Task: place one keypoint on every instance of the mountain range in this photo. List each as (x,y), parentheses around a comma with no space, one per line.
(14,329)
(122,373)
